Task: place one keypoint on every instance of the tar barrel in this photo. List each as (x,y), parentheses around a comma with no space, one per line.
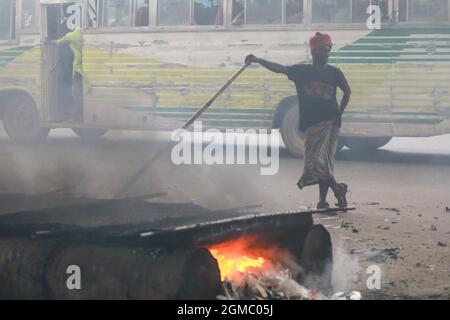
(53,269)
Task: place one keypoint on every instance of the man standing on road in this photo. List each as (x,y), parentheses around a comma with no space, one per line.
(320,115)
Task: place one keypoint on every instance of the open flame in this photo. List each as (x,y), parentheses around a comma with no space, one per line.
(236,258)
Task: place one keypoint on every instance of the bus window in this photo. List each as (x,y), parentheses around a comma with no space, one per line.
(384,7)
(7,20)
(428,10)
(402,10)
(263,12)
(208,12)
(294,11)
(330,11)
(92,16)
(116,13)
(142,13)
(238,15)
(29,20)
(359,10)
(173,12)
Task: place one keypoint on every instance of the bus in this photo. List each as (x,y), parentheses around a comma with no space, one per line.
(149,65)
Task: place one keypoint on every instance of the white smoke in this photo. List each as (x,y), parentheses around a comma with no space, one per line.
(346,268)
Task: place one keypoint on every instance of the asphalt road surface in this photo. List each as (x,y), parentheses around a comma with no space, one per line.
(401,193)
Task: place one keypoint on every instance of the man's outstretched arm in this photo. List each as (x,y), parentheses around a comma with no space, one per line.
(272,66)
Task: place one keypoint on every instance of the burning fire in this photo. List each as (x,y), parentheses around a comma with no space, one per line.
(236,258)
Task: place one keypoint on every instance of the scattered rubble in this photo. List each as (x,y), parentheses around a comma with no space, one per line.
(380,255)
(346,225)
(404,282)
(391,209)
(349,225)
(433,227)
(354,295)
(441,244)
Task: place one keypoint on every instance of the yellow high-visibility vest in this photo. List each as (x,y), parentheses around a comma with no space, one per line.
(73,38)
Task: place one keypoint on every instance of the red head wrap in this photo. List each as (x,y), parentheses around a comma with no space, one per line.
(320,40)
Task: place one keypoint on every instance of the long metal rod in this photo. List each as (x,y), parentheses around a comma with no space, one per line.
(214,97)
(152,159)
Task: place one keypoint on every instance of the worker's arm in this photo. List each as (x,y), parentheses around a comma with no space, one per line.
(345,87)
(272,66)
(64,39)
(71,37)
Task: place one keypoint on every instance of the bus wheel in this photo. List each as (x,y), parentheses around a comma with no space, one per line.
(366,144)
(22,123)
(292,137)
(89,133)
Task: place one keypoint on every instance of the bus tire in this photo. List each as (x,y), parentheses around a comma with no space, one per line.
(286,119)
(366,144)
(89,134)
(292,137)
(22,122)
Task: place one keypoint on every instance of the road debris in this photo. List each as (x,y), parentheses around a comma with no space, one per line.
(269,286)
(433,227)
(276,285)
(380,255)
(353,295)
(391,209)
(447,209)
(441,244)
(346,225)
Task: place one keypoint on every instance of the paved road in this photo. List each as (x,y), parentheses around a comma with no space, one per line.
(401,192)
(408,171)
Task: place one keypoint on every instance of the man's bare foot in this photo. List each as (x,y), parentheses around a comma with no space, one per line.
(341,196)
(323,205)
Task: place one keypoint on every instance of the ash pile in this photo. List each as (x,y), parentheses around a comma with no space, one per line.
(277,286)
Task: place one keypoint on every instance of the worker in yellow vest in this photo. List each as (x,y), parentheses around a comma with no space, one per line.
(74,40)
